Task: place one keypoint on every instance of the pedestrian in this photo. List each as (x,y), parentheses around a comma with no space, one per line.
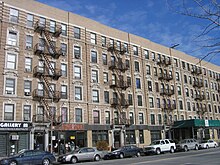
(62,148)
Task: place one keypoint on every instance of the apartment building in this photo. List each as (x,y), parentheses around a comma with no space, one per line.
(68,78)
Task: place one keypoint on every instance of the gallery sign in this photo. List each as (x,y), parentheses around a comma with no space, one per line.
(14,125)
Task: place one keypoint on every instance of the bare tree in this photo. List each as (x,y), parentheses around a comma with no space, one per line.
(208,12)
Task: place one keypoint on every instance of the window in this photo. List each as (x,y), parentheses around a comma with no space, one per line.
(176,62)
(152,119)
(11,61)
(151,102)
(105,77)
(77,72)
(103,41)
(95,96)
(153,56)
(135,50)
(77,52)
(146,54)
(28,64)
(10,86)
(104,59)
(42,22)
(156,86)
(76,32)
(148,70)
(13,15)
(94,57)
(64,31)
(30,20)
(27,87)
(179,90)
(64,70)
(177,76)
(158,102)
(95,76)
(63,91)
(106,97)
(126,47)
(127,63)
(9,112)
(159,119)
(96,117)
(93,38)
(188,106)
(107,117)
(29,42)
(139,98)
(52,26)
(78,93)
(183,65)
(185,79)
(136,66)
(187,92)
(64,114)
(131,117)
(12,38)
(190,80)
(130,99)
(128,81)
(27,113)
(138,83)
(64,49)
(181,104)
(149,86)
(141,118)
(78,113)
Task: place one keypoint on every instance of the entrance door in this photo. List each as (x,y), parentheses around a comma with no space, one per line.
(117,141)
(39,140)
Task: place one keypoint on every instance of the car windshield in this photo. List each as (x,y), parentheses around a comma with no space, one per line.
(155,142)
(76,150)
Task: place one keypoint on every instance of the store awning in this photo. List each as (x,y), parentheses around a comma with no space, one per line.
(196,123)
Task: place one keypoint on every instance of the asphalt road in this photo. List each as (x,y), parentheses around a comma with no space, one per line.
(200,157)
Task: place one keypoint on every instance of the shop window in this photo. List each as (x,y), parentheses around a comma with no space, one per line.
(141,136)
(99,136)
(130,137)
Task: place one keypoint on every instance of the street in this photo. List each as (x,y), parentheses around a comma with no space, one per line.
(200,157)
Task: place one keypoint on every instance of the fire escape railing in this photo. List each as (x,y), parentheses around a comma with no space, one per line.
(46,72)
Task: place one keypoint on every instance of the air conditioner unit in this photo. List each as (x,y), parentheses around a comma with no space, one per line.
(27,93)
(77,56)
(9,92)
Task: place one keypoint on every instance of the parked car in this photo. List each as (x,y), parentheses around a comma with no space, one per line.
(125,151)
(33,157)
(187,144)
(158,146)
(208,143)
(81,154)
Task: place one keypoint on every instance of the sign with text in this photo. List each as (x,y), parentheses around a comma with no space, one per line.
(14,125)
(71,127)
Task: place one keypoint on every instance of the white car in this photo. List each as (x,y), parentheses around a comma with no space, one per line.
(208,144)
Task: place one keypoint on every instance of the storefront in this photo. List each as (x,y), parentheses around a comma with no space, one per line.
(196,128)
(14,136)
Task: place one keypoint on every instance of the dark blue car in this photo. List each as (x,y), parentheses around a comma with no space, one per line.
(125,151)
(29,157)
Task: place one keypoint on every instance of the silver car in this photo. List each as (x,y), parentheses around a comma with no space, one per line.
(187,144)
(81,154)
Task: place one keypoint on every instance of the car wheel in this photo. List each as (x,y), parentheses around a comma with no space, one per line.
(13,163)
(73,160)
(172,150)
(46,162)
(215,146)
(185,148)
(207,146)
(121,155)
(158,151)
(196,147)
(97,158)
(138,154)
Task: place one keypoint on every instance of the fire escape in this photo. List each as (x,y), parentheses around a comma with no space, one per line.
(46,73)
(165,76)
(118,85)
(199,96)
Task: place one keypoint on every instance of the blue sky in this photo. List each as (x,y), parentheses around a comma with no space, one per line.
(151,19)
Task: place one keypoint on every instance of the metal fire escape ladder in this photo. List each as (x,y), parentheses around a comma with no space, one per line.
(118,68)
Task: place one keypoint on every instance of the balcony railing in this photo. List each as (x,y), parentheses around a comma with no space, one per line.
(39,94)
(196,71)
(168,92)
(39,71)
(166,77)
(165,62)
(199,97)
(198,84)
(39,28)
(119,84)
(113,65)
(115,102)
(168,106)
